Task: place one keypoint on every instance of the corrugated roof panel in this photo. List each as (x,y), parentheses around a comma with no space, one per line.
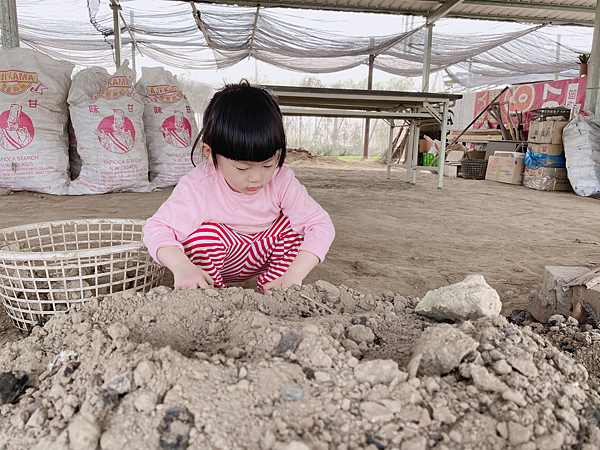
(576,12)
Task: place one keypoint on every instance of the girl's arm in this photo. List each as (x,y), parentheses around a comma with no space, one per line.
(187,275)
(296,272)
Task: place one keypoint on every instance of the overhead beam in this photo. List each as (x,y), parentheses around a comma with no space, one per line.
(421,12)
(443,11)
(199,22)
(253,31)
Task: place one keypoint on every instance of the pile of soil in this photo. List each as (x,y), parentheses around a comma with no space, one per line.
(311,367)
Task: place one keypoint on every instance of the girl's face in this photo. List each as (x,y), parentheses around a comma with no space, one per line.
(246,177)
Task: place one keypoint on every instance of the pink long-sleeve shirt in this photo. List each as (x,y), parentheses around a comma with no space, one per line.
(203,195)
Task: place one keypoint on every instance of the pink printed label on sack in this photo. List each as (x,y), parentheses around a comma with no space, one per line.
(115,88)
(16,128)
(15,82)
(177,130)
(163,93)
(116,133)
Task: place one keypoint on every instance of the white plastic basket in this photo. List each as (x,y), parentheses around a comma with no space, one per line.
(45,268)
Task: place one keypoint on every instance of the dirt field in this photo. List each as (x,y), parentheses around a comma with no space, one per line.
(392,235)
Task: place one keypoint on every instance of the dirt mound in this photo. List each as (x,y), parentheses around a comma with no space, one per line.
(300,157)
(317,367)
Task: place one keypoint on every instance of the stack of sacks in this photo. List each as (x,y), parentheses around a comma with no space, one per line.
(545,160)
(107,116)
(33,121)
(170,126)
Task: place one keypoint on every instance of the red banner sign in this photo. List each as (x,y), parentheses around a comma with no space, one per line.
(526,97)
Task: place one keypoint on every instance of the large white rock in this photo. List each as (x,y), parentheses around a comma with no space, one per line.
(470,299)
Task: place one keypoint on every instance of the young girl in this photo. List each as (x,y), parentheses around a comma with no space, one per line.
(240,213)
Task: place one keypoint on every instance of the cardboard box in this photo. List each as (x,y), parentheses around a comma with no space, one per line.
(546,179)
(504,146)
(424,146)
(547,149)
(550,132)
(534,131)
(510,154)
(505,170)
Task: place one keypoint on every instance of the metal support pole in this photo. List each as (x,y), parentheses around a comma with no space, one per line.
(368,121)
(427,58)
(390,148)
(408,161)
(593,82)
(117,31)
(556,75)
(415,152)
(8,23)
(132,43)
(442,157)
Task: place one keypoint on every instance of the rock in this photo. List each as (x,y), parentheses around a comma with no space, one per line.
(296,445)
(84,432)
(515,397)
(470,299)
(291,392)
(520,316)
(485,380)
(11,386)
(442,348)
(120,384)
(118,331)
(360,333)
(552,441)
(522,361)
(4,191)
(415,443)
(518,434)
(289,342)
(375,412)
(318,358)
(328,291)
(38,418)
(378,371)
(174,429)
(143,372)
(146,402)
(568,417)
(552,299)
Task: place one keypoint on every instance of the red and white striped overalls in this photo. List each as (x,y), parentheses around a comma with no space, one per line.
(228,256)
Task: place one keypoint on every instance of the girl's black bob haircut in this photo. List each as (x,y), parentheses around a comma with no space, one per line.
(243,123)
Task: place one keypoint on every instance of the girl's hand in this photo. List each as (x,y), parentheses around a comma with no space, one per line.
(187,275)
(192,277)
(282,282)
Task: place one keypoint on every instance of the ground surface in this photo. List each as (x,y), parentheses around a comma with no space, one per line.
(341,366)
(394,235)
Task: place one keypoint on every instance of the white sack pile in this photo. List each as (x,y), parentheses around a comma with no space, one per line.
(106,113)
(170,126)
(33,120)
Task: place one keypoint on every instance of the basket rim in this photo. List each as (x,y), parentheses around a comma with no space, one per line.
(28,255)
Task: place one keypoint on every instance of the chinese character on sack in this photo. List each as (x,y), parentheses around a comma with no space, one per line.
(157,110)
(33,103)
(188,109)
(130,108)
(94,109)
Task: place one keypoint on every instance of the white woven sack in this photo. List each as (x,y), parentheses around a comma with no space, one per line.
(581,139)
(170,126)
(33,120)
(107,116)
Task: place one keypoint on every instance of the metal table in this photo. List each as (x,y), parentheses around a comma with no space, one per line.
(413,107)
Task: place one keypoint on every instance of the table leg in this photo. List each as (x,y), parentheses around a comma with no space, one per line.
(415,150)
(390,149)
(443,144)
